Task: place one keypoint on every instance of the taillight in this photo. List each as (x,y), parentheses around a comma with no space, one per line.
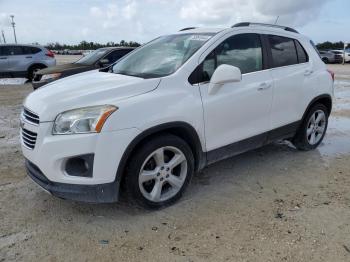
(331,73)
(50,54)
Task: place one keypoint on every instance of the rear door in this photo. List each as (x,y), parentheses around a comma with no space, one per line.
(4,54)
(290,74)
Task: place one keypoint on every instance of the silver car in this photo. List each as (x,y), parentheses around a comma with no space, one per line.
(24,60)
(330,57)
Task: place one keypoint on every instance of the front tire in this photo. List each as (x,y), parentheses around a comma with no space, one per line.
(312,129)
(159,171)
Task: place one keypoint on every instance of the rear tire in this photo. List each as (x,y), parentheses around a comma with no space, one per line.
(325,60)
(159,171)
(313,128)
(32,70)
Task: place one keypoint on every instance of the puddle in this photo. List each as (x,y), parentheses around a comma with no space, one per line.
(343,82)
(12,81)
(337,139)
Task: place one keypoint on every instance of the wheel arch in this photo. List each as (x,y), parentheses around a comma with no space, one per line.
(42,65)
(324,99)
(180,129)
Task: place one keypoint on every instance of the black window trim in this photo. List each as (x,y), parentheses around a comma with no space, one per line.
(266,36)
(307,55)
(193,79)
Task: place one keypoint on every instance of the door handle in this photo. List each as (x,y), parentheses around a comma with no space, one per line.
(28,56)
(308,72)
(264,86)
(3,58)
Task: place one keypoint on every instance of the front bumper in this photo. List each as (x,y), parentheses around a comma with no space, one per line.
(51,153)
(102,193)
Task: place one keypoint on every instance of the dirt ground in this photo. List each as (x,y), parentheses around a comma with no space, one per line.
(271,204)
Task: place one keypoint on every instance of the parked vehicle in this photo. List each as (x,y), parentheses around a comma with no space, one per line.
(328,57)
(24,60)
(341,54)
(338,55)
(172,107)
(102,57)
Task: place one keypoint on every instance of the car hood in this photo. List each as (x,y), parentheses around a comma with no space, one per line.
(63,68)
(85,89)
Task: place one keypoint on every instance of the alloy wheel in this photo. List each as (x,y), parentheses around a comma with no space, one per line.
(163,174)
(316,127)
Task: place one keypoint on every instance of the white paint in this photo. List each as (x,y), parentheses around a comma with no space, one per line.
(237,110)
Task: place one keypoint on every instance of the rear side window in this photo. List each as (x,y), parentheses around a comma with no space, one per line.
(30,50)
(302,55)
(283,51)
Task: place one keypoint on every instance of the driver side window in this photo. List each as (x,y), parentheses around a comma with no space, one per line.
(243,51)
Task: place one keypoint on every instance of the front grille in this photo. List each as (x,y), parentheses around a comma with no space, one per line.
(28,138)
(30,116)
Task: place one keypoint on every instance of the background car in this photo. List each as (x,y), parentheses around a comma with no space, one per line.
(24,60)
(339,54)
(100,58)
(329,57)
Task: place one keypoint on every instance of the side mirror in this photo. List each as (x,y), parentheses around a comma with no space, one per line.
(224,74)
(104,62)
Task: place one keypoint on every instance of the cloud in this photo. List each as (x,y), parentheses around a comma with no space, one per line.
(112,11)
(225,12)
(4,19)
(85,31)
(96,11)
(130,10)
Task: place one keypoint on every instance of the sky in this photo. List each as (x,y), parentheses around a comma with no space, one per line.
(71,21)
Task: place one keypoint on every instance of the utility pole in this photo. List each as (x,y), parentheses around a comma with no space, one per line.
(3,36)
(13,26)
(345,45)
(277,20)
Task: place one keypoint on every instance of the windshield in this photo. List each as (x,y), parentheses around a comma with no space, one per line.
(92,57)
(161,57)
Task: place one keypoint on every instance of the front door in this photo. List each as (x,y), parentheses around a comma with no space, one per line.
(237,111)
(4,65)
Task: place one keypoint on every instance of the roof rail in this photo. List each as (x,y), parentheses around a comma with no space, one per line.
(187,28)
(268,25)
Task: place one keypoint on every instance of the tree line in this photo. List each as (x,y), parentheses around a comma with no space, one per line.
(84,45)
(329,45)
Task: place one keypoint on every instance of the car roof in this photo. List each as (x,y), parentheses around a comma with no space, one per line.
(30,45)
(276,29)
(201,30)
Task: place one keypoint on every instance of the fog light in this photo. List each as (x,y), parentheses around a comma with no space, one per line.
(80,165)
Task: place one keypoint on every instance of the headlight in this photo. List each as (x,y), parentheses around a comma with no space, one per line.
(82,120)
(51,76)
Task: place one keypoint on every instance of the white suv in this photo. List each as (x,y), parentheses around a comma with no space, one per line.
(172,107)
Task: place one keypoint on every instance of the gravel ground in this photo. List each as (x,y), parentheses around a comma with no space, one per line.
(271,204)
